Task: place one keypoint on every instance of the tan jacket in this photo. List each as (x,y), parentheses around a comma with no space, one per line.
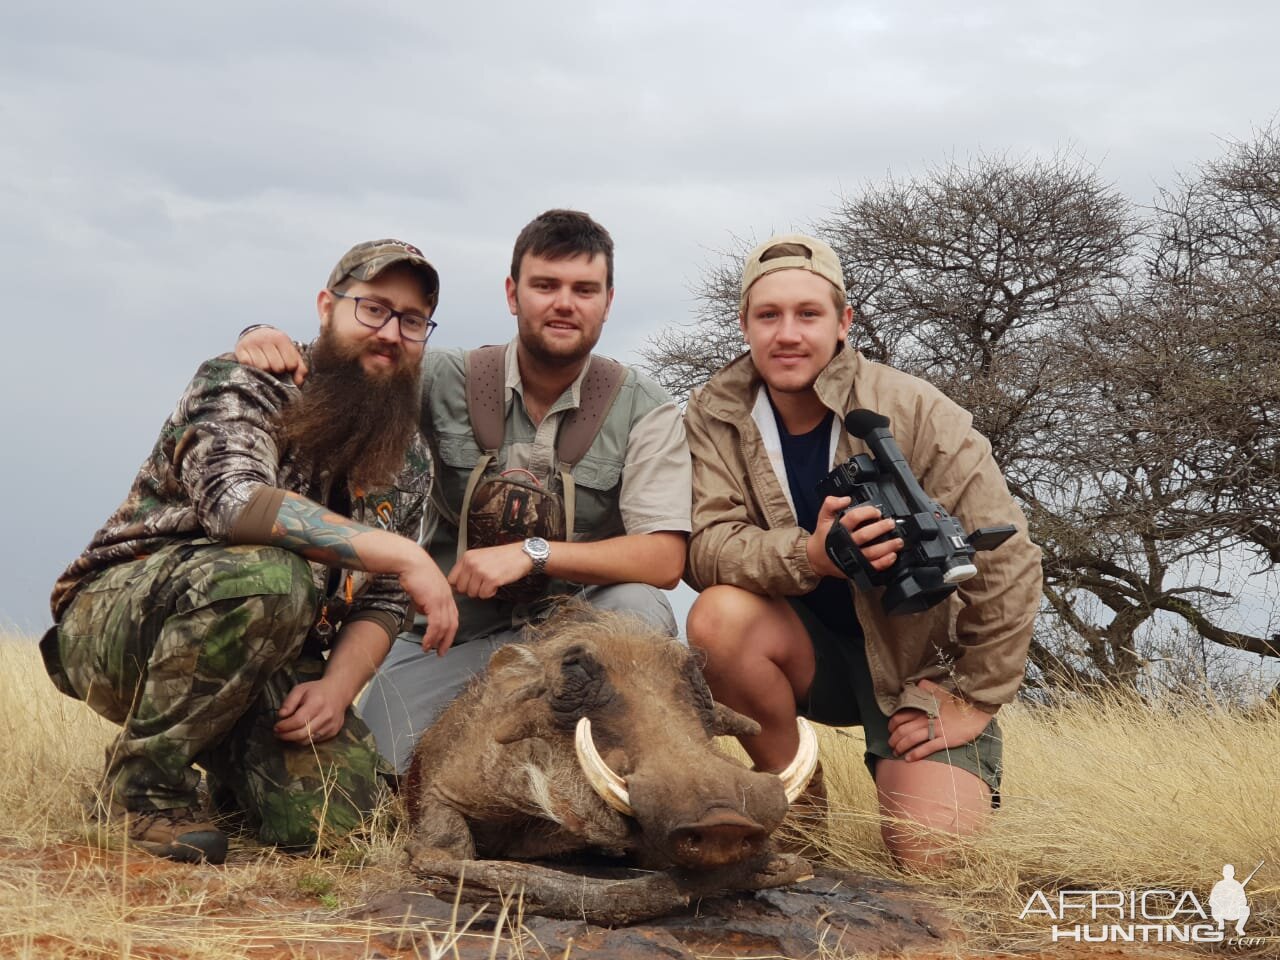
(745,533)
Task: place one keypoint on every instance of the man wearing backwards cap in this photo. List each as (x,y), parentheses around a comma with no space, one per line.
(783,630)
(269,523)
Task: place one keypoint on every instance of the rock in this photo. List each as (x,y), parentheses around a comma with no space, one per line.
(641,942)
(834,912)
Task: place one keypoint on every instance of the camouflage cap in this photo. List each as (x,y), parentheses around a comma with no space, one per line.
(807,253)
(366,260)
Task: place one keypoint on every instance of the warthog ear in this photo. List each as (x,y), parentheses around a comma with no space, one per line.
(728,722)
(512,658)
(525,713)
(515,677)
(702,700)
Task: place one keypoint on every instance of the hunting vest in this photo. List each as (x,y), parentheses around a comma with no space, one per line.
(597,476)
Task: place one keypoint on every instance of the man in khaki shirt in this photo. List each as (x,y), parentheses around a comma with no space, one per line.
(784,632)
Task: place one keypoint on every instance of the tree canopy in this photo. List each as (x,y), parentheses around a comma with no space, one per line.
(1124,363)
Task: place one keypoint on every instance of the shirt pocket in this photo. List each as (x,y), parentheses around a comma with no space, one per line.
(458,457)
(597,486)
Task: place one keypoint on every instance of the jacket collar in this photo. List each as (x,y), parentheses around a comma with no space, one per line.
(734,387)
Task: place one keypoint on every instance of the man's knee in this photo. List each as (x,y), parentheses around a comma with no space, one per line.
(309,820)
(412,689)
(711,613)
(925,806)
(245,608)
(724,615)
(747,639)
(280,576)
(645,601)
(332,791)
(274,588)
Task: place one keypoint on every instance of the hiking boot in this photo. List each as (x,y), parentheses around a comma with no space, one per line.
(804,830)
(182,834)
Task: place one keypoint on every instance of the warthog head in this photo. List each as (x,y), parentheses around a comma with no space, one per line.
(595,734)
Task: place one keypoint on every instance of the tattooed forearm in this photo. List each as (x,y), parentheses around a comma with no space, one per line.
(310,530)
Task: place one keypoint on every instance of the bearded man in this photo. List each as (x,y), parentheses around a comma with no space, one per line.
(271,525)
(631,488)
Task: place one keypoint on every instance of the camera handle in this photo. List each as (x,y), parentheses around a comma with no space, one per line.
(846,554)
(873,430)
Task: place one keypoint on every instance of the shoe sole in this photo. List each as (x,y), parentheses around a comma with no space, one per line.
(200,847)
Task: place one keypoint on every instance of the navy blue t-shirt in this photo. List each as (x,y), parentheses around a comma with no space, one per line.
(807,457)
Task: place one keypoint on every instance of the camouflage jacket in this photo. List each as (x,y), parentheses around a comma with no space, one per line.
(214,452)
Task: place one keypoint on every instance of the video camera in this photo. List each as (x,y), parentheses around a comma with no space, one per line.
(936,553)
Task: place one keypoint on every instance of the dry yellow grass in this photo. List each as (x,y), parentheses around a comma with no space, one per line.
(67,892)
(1114,795)
(1104,795)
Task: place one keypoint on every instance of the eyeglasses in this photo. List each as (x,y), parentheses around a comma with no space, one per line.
(376,315)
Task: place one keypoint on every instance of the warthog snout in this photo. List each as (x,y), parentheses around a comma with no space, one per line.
(721,838)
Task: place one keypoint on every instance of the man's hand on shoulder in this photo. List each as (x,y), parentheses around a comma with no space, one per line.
(913,735)
(267,348)
(864,525)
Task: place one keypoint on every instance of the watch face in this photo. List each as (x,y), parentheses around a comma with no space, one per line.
(537,547)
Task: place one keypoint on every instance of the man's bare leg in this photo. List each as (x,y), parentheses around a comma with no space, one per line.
(759,661)
(921,797)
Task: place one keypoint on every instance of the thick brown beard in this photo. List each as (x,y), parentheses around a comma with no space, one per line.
(350,423)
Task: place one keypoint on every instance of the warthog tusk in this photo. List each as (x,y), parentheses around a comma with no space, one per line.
(801,767)
(611,787)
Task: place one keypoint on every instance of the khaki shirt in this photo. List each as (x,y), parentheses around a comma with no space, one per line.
(635,477)
(745,532)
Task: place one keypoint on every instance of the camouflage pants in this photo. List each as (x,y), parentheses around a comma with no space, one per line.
(192,650)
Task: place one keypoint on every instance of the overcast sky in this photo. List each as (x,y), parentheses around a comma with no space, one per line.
(170,172)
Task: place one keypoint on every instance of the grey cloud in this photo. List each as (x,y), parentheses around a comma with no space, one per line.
(172,172)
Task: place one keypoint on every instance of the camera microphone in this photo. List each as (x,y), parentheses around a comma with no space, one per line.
(861,422)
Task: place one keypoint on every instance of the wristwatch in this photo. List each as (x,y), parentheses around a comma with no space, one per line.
(537,550)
